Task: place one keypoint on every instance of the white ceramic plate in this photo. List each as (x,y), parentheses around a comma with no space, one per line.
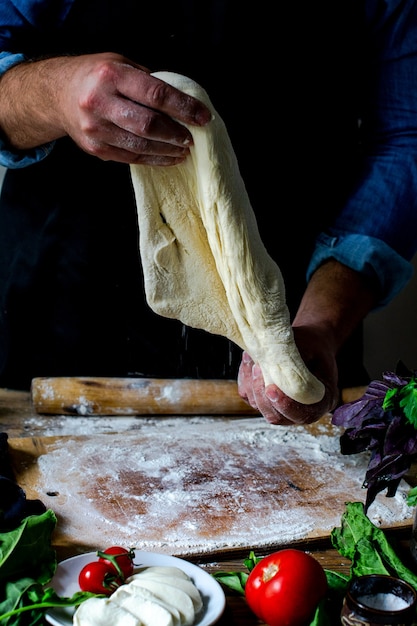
(65,583)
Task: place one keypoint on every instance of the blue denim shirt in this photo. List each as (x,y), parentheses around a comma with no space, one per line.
(15,15)
(376,231)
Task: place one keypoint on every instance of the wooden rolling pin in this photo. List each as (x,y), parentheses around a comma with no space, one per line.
(137,396)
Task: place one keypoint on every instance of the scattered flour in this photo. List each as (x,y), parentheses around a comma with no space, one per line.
(64,425)
(188,486)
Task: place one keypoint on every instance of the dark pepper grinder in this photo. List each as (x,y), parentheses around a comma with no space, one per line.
(378,599)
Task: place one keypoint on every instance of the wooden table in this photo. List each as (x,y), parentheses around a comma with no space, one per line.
(18,419)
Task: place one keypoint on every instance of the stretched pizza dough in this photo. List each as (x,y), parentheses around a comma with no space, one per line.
(203,258)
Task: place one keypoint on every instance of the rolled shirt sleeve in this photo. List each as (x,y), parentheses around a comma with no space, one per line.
(18,158)
(16,16)
(375,233)
(370,256)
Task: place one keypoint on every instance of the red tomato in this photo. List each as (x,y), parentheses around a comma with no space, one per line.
(99,577)
(123,557)
(284,588)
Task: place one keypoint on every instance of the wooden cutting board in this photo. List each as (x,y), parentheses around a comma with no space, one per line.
(199,487)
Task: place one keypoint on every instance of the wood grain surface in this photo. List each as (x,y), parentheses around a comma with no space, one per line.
(137,396)
(189,487)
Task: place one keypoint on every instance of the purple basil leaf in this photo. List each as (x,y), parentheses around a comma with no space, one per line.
(377,487)
(400,437)
(386,434)
(368,406)
(393,380)
(390,467)
(375,461)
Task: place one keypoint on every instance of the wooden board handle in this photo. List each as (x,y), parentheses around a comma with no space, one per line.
(137,396)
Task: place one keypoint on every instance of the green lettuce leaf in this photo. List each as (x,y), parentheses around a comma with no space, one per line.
(366,545)
(28,548)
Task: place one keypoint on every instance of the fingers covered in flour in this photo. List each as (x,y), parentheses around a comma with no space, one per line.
(275,406)
(116,110)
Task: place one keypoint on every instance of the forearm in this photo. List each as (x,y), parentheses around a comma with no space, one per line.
(336,300)
(111,108)
(30,94)
(374,232)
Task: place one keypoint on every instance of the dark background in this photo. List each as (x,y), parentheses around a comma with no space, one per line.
(389,334)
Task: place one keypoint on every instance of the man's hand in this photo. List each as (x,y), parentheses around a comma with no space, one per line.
(111,107)
(336,299)
(273,404)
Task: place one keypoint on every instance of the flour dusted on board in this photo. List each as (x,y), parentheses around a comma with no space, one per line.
(184,487)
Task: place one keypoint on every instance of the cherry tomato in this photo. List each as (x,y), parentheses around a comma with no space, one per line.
(284,588)
(123,557)
(99,577)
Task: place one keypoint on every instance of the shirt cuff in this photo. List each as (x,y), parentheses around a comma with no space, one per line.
(15,159)
(370,256)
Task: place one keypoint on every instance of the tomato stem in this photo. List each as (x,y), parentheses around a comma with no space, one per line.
(113,560)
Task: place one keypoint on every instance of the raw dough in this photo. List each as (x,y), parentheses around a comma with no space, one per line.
(204,261)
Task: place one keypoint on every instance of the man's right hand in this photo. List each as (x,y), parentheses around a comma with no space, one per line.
(111,107)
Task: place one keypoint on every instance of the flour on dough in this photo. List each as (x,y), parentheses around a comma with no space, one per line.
(203,258)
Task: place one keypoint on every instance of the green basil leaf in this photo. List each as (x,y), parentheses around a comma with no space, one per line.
(28,548)
(233,580)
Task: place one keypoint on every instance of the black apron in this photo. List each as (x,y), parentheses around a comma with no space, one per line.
(71,284)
